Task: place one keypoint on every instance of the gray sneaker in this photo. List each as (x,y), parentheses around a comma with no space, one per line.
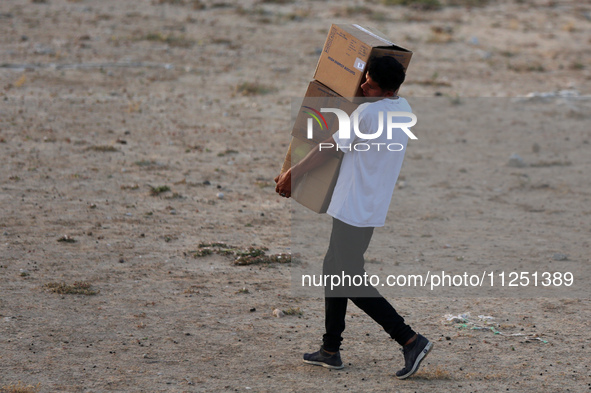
(414,353)
(324,359)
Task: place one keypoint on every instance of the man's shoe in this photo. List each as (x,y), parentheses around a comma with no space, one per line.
(414,353)
(324,359)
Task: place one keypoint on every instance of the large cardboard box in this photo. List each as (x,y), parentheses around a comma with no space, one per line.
(348,47)
(322,125)
(314,189)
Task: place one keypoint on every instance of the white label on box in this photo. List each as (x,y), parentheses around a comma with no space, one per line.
(359,64)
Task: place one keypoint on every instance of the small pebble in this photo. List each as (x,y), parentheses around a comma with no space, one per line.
(516,161)
(560,257)
(220,195)
(278,313)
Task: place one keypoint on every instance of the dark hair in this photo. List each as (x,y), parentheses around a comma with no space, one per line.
(387,72)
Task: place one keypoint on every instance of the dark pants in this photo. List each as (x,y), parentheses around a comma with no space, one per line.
(345,257)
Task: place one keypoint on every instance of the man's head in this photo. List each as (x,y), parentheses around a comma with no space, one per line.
(384,76)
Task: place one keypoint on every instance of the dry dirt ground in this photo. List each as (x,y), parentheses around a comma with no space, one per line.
(132,132)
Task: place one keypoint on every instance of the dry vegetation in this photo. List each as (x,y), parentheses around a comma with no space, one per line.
(19,387)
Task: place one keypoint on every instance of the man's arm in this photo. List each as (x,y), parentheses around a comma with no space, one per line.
(315,158)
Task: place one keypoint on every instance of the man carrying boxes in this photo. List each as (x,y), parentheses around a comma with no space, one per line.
(360,201)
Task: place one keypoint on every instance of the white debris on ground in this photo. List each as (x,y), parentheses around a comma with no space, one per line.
(485,322)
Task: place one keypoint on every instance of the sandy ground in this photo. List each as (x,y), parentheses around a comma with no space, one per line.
(127,142)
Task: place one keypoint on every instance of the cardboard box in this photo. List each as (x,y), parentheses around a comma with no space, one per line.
(317,97)
(343,62)
(314,189)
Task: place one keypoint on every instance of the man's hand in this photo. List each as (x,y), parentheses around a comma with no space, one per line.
(283,181)
(313,159)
